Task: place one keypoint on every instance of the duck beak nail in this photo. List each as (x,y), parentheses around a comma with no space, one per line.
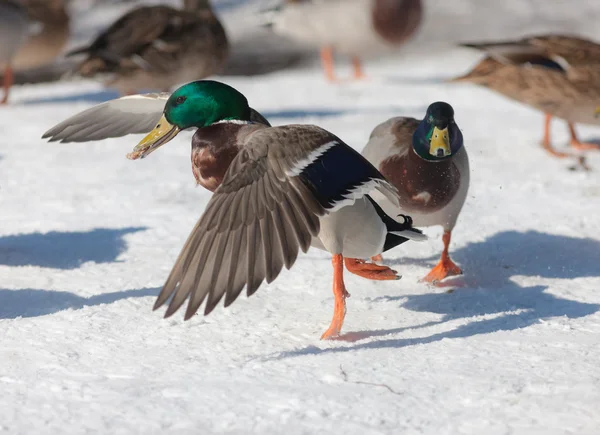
(160,135)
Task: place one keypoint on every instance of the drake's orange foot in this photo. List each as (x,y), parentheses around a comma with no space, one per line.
(340,294)
(370,270)
(336,323)
(445,268)
(339,313)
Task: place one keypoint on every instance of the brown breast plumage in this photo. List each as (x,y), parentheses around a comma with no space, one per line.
(424,186)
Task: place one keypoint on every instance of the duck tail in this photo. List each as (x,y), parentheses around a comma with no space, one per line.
(398,232)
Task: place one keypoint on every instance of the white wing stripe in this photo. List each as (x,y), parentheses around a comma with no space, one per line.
(314,155)
(356,193)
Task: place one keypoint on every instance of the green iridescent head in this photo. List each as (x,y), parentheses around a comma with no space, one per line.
(202,103)
(437,137)
(197,104)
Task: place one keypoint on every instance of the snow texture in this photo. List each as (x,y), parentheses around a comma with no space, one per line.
(88,237)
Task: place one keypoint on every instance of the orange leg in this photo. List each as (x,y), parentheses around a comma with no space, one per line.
(8,81)
(377,258)
(340,294)
(358,71)
(580,145)
(370,270)
(327,62)
(446,266)
(546,141)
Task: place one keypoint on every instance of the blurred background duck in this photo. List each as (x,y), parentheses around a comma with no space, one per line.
(283,190)
(14,28)
(157,47)
(559,75)
(49,33)
(428,164)
(351,27)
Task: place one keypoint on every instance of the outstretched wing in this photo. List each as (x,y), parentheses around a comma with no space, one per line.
(135,114)
(264,212)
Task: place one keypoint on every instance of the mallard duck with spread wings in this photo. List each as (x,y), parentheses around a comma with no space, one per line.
(285,189)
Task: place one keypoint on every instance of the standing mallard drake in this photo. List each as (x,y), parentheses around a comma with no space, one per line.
(13,33)
(157,47)
(559,75)
(352,27)
(51,33)
(287,188)
(428,164)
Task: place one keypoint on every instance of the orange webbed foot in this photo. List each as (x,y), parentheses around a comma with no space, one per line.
(445,268)
(370,270)
(340,294)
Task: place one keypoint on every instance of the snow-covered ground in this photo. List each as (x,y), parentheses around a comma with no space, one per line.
(88,237)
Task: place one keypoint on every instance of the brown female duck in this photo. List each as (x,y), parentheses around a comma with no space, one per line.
(559,75)
(157,47)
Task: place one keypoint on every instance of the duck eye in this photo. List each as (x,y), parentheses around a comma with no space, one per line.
(180,100)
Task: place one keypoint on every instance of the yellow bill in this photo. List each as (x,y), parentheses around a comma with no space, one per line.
(160,135)
(597,111)
(439,146)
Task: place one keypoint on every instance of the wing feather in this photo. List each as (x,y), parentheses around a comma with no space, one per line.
(135,114)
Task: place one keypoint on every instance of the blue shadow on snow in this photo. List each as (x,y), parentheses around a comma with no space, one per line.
(64,250)
(489,289)
(34,303)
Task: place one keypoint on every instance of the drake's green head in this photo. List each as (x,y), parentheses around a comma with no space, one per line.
(437,137)
(197,104)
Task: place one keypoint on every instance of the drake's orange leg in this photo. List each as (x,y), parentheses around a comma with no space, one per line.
(340,294)
(377,258)
(546,141)
(370,270)
(446,266)
(327,62)
(580,145)
(357,65)
(8,81)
